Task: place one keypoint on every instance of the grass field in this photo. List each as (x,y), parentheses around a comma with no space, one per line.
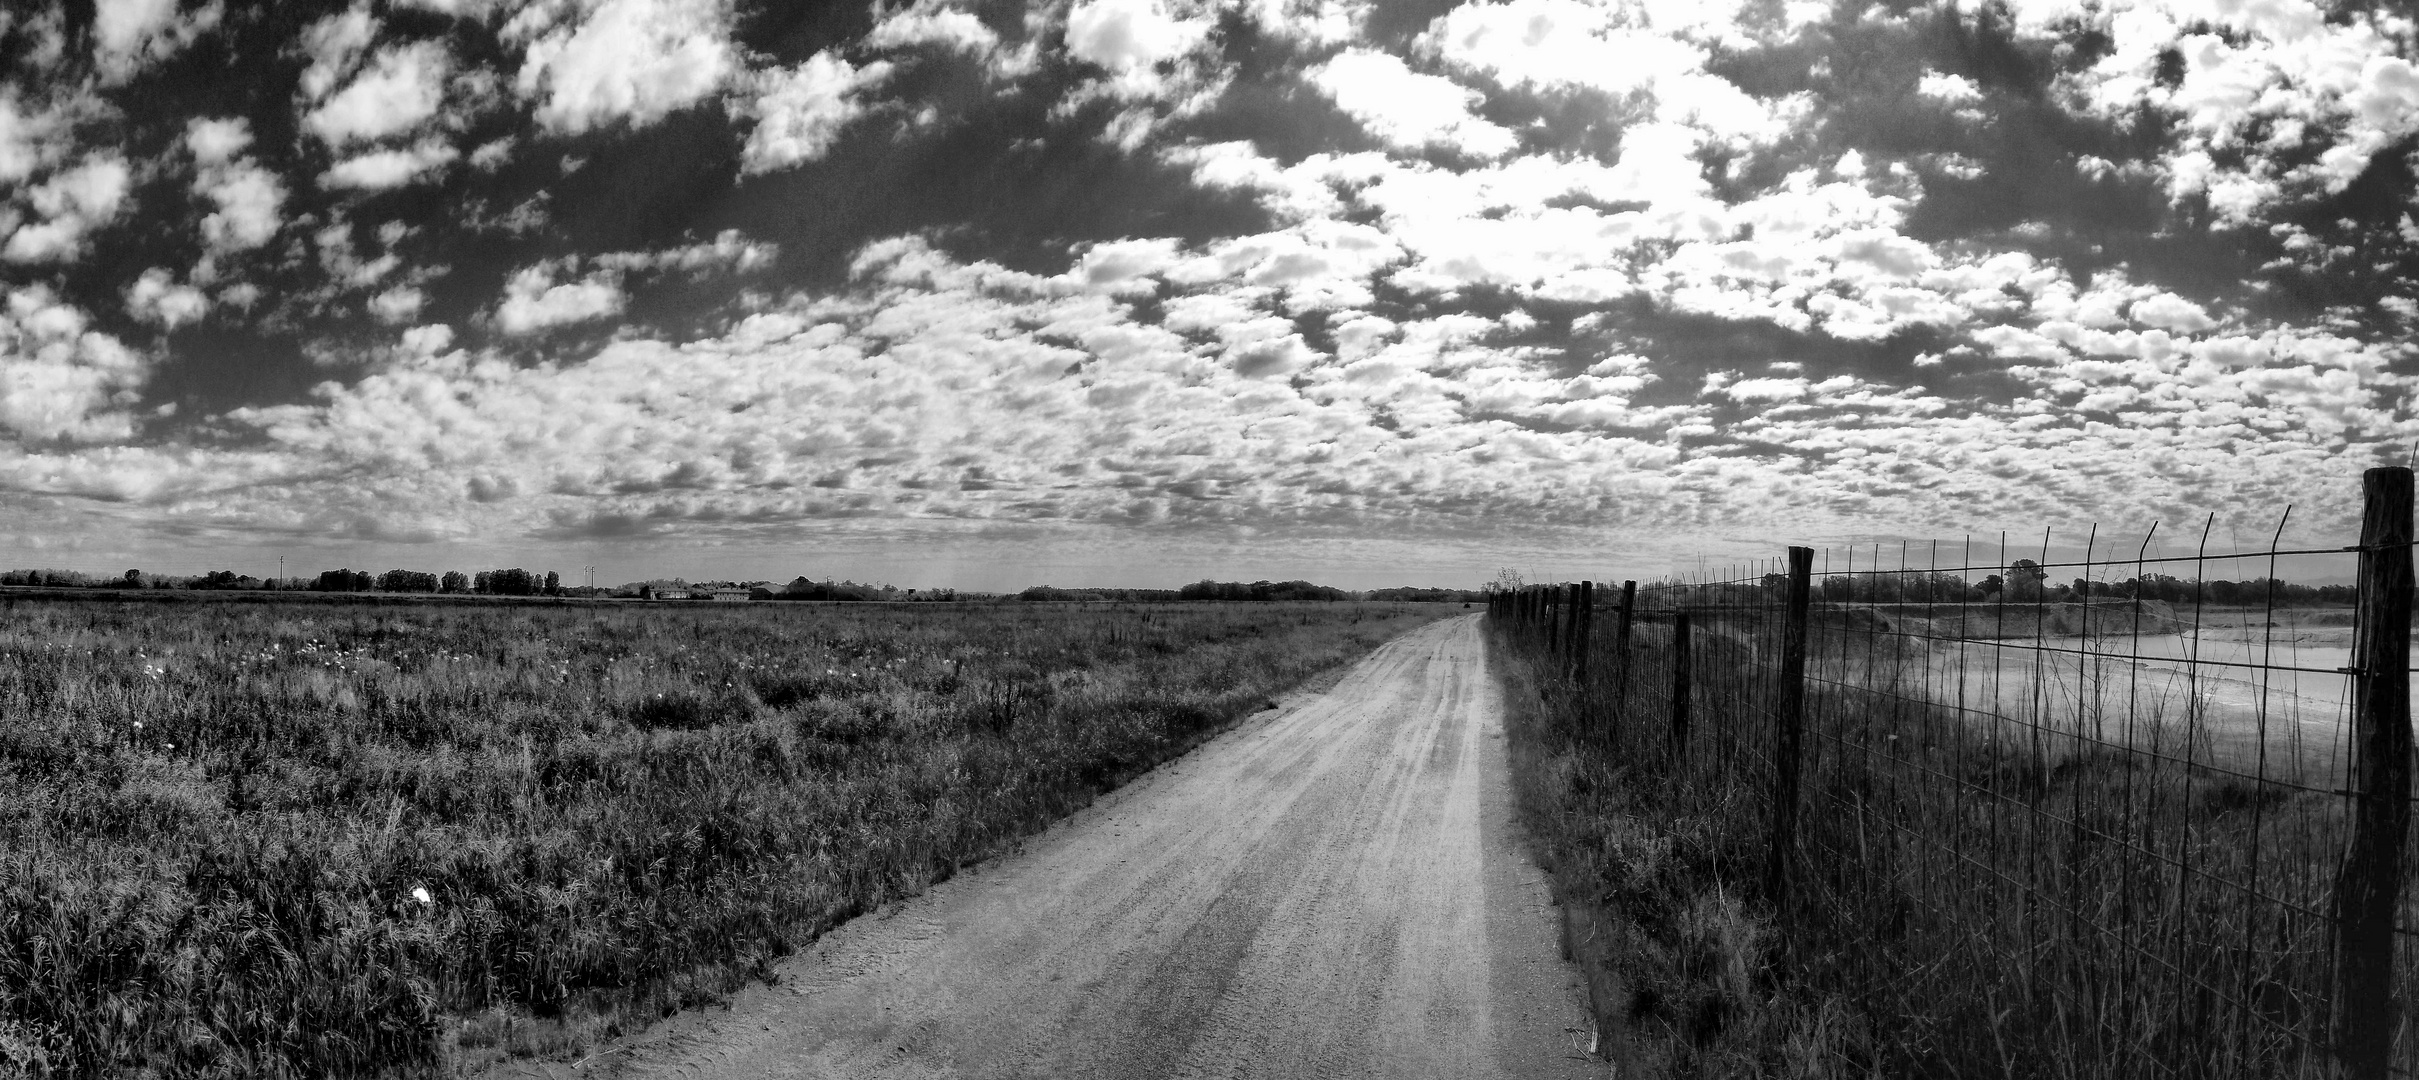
(263,840)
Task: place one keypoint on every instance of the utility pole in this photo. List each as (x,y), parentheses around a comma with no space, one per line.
(281,571)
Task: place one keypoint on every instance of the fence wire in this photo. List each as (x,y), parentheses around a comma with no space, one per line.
(2112,809)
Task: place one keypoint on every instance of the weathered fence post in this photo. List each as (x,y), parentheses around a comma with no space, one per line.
(1679,684)
(1579,630)
(1788,715)
(1629,602)
(1550,627)
(2366,892)
(1566,629)
(1570,622)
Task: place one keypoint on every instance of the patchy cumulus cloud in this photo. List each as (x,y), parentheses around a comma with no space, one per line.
(1618,273)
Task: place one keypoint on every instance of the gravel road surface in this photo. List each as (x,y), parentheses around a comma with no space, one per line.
(1334,888)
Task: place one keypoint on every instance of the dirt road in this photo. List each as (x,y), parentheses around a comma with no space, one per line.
(1332,889)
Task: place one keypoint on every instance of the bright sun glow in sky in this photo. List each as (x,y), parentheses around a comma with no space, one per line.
(1134,292)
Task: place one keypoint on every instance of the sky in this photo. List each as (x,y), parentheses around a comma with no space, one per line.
(1135,292)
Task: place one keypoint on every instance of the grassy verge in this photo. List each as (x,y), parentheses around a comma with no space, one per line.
(261,840)
(1657,890)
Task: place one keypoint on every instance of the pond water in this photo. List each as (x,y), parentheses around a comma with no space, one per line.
(2204,695)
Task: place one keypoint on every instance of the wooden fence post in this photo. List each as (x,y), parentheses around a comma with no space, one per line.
(1570,622)
(1579,630)
(2367,890)
(1788,714)
(1567,618)
(1679,685)
(1629,601)
(1549,627)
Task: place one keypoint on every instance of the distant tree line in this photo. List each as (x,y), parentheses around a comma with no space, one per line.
(804,588)
(1260,590)
(1409,594)
(1052,593)
(512,582)
(2027,581)
(1257,590)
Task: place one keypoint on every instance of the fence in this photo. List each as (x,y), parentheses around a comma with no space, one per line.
(2072,830)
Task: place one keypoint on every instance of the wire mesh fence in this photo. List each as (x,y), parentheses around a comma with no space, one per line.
(2107,815)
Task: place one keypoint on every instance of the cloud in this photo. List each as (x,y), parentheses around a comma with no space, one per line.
(27,140)
(71,203)
(1953,89)
(2171,312)
(333,43)
(428,340)
(729,250)
(217,142)
(1122,35)
(616,61)
(1566,44)
(249,199)
(60,379)
(127,34)
(930,23)
(468,9)
(1131,38)
(2330,93)
(156,298)
(400,91)
(1125,266)
(1272,359)
(534,300)
(1407,109)
(380,170)
(400,304)
(1765,389)
(801,112)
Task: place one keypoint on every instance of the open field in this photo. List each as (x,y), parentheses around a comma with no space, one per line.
(265,840)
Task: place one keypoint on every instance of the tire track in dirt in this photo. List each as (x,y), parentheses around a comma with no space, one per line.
(1332,889)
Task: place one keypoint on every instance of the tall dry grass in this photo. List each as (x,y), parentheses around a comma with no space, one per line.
(262,840)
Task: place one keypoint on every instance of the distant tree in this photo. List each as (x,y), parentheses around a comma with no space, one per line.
(454,581)
(134,579)
(408,581)
(554,584)
(2024,578)
(343,581)
(1992,585)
